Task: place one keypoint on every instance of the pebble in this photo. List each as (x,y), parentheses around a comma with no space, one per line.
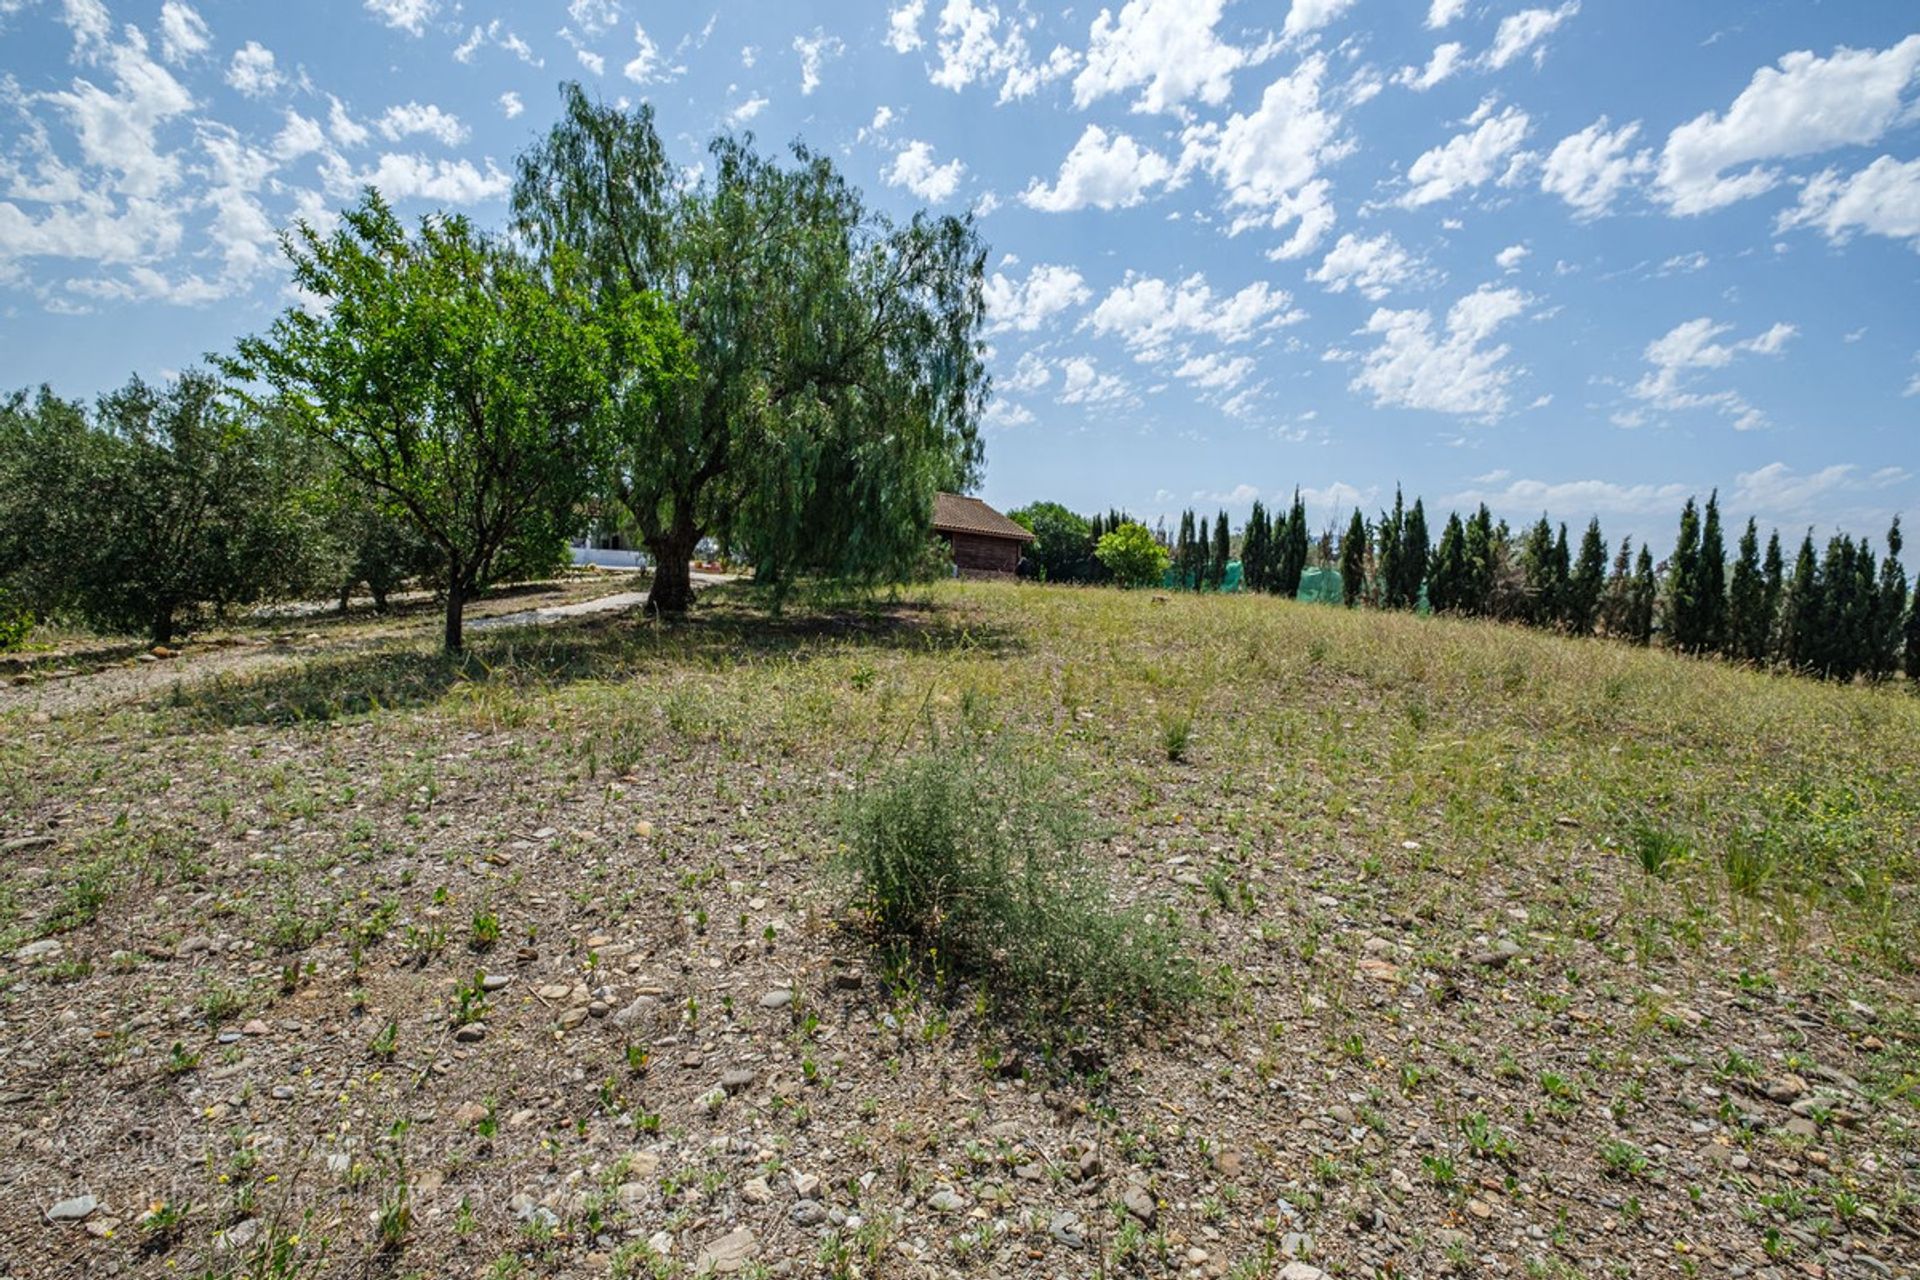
(945,1201)
(807,1213)
(1065,1228)
(495,981)
(737,1079)
(728,1254)
(471,1033)
(73,1209)
(778,998)
(1139,1202)
(42,949)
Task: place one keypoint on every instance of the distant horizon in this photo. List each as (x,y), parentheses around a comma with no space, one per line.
(1572,258)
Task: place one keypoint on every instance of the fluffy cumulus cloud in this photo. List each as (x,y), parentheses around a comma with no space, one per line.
(744,113)
(914,169)
(510,105)
(409,16)
(183,33)
(1786,494)
(815,51)
(1589,168)
(593,17)
(418,118)
(1451,370)
(1442,12)
(410,177)
(1572,498)
(647,66)
(1025,305)
(1523,31)
(1468,159)
(1168,49)
(1882,199)
(1803,106)
(976,43)
(252,70)
(1447,59)
(1215,371)
(1372,266)
(1103,171)
(1311,15)
(1681,357)
(1082,383)
(1153,316)
(903,26)
(1268,161)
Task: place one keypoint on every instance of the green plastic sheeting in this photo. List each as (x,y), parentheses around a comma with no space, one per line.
(1322,586)
(1172,580)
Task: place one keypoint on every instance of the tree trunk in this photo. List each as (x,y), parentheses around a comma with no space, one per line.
(672,590)
(456,611)
(161,628)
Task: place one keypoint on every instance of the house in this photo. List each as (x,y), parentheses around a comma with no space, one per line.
(985,543)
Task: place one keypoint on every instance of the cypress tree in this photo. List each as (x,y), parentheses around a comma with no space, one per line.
(1890,608)
(1222,552)
(1478,598)
(1613,610)
(1683,584)
(1294,558)
(1447,584)
(1589,580)
(1772,587)
(1913,638)
(1537,565)
(1559,579)
(1253,549)
(1746,638)
(1388,567)
(1353,560)
(1640,600)
(1800,621)
(1415,548)
(1713,578)
(1182,548)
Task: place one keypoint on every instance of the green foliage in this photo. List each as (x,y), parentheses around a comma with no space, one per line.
(1588,582)
(966,858)
(16,621)
(1685,615)
(454,381)
(1353,560)
(1747,620)
(163,505)
(1062,547)
(1132,557)
(839,378)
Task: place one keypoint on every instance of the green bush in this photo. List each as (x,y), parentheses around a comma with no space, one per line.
(971,860)
(16,622)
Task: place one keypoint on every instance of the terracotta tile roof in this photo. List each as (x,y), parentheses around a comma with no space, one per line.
(955,514)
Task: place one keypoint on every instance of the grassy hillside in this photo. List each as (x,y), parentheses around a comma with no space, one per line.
(1520,955)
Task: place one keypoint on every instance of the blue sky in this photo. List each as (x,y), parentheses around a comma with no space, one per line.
(1586,257)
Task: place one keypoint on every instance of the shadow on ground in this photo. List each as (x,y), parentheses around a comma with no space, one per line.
(729,627)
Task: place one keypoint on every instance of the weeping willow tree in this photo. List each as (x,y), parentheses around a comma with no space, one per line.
(840,367)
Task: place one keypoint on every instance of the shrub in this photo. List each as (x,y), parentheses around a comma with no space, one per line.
(16,622)
(970,860)
(1132,556)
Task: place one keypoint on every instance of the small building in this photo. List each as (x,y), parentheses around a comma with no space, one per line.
(985,543)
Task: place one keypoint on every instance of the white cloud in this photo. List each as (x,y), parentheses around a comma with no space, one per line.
(903,26)
(1268,162)
(252,70)
(1779,491)
(1511,257)
(1167,47)
(1467,159)
(1025,305)
(1583,497)
(407,177)
(1589,168)
(1519,32)
(1882,199)
(1030,374)
(299,137)
(346,131)
(647,66)
(975,44)
(914,169)
(746,111)
(815,50)
(1374,267)
(496,33)
(1311,15)
(594,17)
(594,63)
(1150,314)
(1107,172)
(1807,105)
(183,33)
(1679,356)
(510,104)
(1442,12)
(118,130)
(1006,413)
(409,16)
(1445,61)
(415,117)
(1083,383)
(1214,371)
(1451,372)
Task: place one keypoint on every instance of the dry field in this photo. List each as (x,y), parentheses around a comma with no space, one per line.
(1518,956)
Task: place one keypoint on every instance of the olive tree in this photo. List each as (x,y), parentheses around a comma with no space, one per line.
(840,374)
(463,386)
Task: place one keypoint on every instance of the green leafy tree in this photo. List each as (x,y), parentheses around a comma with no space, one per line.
(1747,623)
(169,503)
(1588,583)
(1772,593)
(1542,582)
(1293,548)
(1684,628)
(1800,645)
(1062,541)
(1256,549)
(1132,556)
(1889,609)
(1389,566)
(1353,560)
(1483,560)
(1415,549)
(1616,604)
(454,382)
(840,368)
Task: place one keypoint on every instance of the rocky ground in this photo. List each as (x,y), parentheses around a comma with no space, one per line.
(340,966)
